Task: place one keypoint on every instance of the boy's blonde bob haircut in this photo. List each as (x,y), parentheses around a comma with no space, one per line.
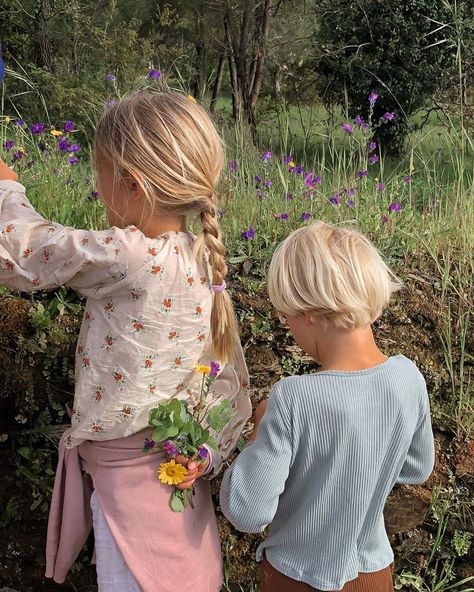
(330,272)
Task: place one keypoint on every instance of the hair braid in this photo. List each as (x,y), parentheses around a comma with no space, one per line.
(223,322)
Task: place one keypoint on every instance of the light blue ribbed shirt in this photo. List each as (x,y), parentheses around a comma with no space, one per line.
(328,451)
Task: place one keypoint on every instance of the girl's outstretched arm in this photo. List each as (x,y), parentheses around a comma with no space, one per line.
(36,254)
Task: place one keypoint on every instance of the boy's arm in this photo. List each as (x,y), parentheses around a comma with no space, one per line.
(37,254)
(419,461)
(251,487)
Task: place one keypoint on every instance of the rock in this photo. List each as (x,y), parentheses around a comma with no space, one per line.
(406,508)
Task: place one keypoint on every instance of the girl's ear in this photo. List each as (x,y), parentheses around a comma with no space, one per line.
(307,318)
(134,186)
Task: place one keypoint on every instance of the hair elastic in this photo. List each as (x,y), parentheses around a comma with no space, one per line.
(220,287)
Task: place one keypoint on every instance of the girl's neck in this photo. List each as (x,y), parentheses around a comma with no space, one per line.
(347,351)
(158,224)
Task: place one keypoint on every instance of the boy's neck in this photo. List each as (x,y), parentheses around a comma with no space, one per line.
(349,350)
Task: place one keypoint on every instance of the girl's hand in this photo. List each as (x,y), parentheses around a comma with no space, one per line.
(195,470)
(6,173)
(257,417)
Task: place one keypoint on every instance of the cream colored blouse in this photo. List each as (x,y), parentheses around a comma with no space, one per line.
(146,324)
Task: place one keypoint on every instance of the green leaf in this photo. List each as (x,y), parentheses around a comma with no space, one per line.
(25,452)
(220,416)
(211,443)
(177,501)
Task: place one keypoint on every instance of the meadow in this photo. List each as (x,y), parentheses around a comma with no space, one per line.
(418,209)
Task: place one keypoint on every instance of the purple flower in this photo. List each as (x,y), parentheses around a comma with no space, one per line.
(351,191)
(361,174)
(69,181)
(268,183)
(63,145)
(380,187)
(69,126)
(394,207)
(73,160)
(17,156)
(372,146)
(385,219)
(110,77)
(233,165)
(347,127)
(287,159)
(154,74)
(365,126)
(203,452)
(373,159)
(149,444)
(305,216)
(258,179)
(283,216)
(388,116)
(8,144)
(373,97)
(310,180)
(20,122)
(358,120)
(299,170)
(214,369)
(42,146)
(266,156)
(407,179)
(260,194)
(350,203)
(37,128)
(248,234)
(111,102)
(335,200)
(95,195)
(170,448)
(289,196)
(74,148)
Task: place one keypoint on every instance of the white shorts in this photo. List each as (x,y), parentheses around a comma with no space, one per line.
(113,574)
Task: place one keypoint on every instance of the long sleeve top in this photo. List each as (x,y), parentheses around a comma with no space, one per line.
(146,323)
(328,451)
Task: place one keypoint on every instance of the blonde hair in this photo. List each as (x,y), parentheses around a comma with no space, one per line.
(169,145)
(330,272)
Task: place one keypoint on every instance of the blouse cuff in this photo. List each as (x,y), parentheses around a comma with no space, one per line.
(9,184)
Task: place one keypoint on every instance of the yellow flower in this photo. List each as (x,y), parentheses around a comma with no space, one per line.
(7,119)
(203,369)
(56,133)
(191,98)
(291,164)
(171,473)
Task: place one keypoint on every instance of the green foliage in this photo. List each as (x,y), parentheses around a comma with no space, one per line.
(402,49)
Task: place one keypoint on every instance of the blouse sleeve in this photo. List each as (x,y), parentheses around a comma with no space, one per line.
(36,254)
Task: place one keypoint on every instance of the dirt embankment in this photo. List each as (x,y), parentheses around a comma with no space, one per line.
(413,325)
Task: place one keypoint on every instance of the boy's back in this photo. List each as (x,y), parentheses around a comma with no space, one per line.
(329,449)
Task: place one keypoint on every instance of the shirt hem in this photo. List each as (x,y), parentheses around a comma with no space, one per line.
(320,584)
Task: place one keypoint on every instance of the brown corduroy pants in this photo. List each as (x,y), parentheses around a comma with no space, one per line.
(271,580)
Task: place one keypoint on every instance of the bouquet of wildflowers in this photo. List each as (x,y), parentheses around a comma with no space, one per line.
(179,430)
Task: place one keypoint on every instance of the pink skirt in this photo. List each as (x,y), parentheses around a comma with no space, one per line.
(164,550)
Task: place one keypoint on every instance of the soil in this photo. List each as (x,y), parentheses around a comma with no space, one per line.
(412,325)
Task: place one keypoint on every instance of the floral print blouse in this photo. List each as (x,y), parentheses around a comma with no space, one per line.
(146,323)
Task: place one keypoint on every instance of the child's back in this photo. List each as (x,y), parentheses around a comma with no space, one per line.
(331,445)
(337,442)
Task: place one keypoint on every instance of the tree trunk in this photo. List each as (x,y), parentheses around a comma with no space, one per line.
(43,54)
(218,83)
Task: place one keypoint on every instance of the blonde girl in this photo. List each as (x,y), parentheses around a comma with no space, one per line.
(330,446)
(157,306)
